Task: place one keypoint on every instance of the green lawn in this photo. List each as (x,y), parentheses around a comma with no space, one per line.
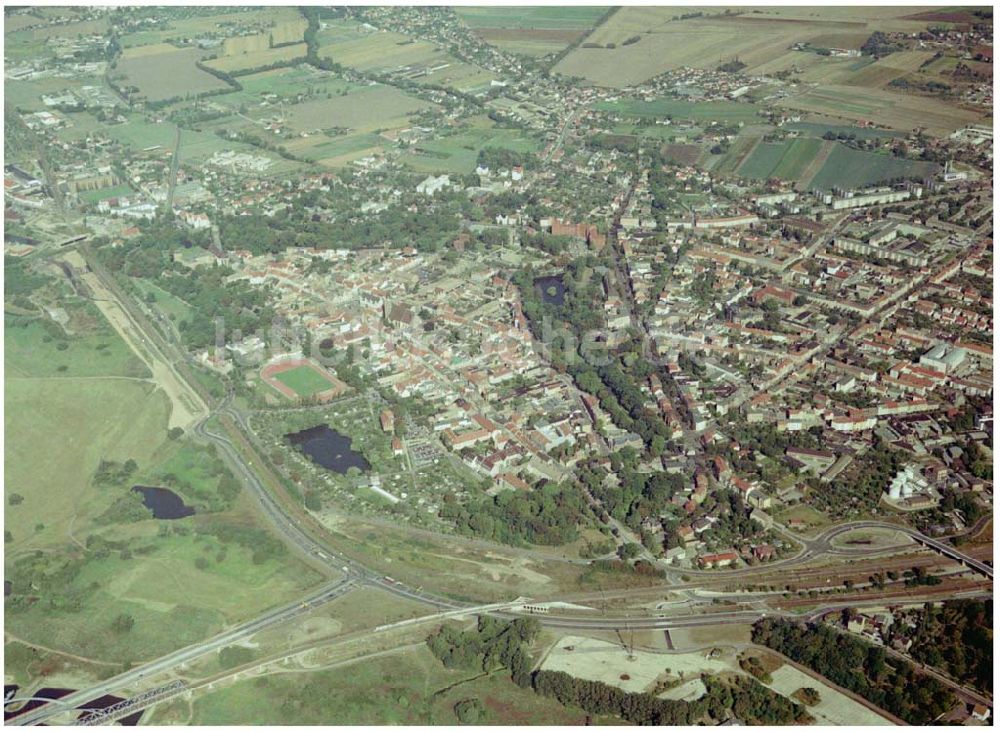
(304,380)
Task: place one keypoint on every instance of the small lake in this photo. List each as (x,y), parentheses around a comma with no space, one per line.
(328,448)
(552,289)
(165,504)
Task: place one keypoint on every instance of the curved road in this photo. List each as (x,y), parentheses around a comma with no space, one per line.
(356,573)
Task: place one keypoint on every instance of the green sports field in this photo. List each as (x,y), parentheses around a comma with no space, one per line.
(304,380)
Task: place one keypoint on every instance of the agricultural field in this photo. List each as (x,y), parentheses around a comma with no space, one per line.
(816,129)
(257,59)
(885,108)
(409,686)
(739,150)
(904,64)
(349,44)
(723,112)
(286,83)
(533,31)
(163,71)
(786,160)
(362,110)
(195,21)
(459,152)
(756,36)
(850,168)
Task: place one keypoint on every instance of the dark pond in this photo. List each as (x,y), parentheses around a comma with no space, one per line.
(552,289)
(6,588)
(165,504)
(329,448)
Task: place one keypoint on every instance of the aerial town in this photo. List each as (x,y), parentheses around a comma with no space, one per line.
(536,365)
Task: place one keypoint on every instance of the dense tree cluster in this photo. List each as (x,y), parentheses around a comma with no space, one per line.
(501,158)
(492,644)
(861,488)
(744,698)
(957,637)
(862,668)
(548,515)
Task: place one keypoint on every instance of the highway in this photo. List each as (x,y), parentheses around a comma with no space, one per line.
(168,662)
(355,573)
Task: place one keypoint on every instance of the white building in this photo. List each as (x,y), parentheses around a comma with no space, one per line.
(431,185)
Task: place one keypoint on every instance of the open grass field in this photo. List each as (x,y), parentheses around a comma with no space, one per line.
(458,153)
(786,160)
(178,586)
(257,59)
(95,350)
(408,687)
(172,600)
(728,112)
(904,112)
(163,72)
(57,431)
(850,168)
(195,146)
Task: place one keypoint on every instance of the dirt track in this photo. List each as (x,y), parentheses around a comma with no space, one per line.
(186,407)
